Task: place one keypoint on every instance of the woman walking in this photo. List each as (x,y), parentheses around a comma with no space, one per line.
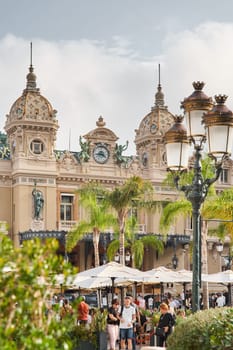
(113,324)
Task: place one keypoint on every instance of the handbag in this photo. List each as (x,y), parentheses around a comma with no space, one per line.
(159,332)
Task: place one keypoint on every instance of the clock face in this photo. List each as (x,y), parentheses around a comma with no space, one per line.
(101,154)
(153,128)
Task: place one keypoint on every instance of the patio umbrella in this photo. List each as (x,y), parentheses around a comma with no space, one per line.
(92,282)
(219,277)
(185,276)
(60,280)
(155,276)
(160,275)
(112,270)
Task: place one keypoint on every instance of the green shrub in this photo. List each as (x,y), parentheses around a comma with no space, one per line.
(205,330)
(80,333)
(99,322)
(24,322)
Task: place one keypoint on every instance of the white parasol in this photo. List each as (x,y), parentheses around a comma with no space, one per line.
(219,277)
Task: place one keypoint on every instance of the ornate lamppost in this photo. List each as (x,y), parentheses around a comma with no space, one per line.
(174,258)
(127,258)
(210,124)
(174,261)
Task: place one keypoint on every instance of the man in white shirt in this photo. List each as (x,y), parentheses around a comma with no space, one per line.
(127,320)
(150,303)
(221,300)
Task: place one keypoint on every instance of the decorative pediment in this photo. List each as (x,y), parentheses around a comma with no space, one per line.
(101,133)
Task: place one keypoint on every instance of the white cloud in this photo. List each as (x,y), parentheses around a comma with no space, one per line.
(202,54)
(85,79)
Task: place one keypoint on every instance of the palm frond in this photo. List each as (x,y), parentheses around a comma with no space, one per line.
(220,207)
(77,233)
(112,249)
(154,242)
(138,253)
(220,231)
(172,211)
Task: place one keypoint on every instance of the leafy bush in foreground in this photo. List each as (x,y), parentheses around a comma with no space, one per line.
(24,323)
(205,330)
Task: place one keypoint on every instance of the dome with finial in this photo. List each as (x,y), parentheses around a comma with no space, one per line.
(159,97)
(31,106)
(157,122)
(31,79)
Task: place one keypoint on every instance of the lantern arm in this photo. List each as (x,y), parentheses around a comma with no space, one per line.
(208,182)
(218,171)
(203,185)
(184,188)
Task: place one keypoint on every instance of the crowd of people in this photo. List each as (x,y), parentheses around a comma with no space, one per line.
(131,322)
(219,299)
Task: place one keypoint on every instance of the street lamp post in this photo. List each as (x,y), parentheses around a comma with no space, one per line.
(174,258)
(174,261)
(206,123)
(127,257)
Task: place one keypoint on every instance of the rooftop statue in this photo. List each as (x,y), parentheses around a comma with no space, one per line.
(119,149)
(85,150)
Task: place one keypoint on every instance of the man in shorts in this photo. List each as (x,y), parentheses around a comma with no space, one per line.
(127,321)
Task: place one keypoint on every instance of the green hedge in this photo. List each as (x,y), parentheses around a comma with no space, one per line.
(205,330)
(27,322)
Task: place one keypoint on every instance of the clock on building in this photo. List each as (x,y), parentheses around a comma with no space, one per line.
(153,128)
(101,154)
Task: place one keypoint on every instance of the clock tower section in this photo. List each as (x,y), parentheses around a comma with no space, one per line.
(102,144)
(149,141)
(31,128)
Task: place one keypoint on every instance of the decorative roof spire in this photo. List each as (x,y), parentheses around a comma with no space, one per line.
(100,122)
(31,77)
(159,96)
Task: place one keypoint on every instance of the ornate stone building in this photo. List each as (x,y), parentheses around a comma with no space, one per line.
(38,183)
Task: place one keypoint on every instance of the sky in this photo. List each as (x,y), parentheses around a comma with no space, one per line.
(100,58)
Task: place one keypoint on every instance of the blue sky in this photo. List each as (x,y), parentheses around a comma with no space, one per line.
(100,57)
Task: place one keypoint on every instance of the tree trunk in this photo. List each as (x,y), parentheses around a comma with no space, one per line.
(122,239)
(205,289)
(96,238)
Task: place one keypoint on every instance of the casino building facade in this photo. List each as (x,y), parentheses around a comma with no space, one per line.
(38,183)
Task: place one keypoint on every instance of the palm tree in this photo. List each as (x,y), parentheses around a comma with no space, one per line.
(221,208)
(99,218)
(131,194)
(98,201)
(135,245)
